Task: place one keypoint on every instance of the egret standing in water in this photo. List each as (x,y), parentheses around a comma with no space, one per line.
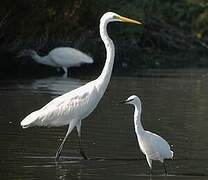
(62,57)
(153,146)
(70,108)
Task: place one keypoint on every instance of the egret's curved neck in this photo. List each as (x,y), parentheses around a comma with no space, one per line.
(36,57)
(104,78)
(43,60)
(137,120)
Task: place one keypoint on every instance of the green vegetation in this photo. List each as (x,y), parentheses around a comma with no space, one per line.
(174,35)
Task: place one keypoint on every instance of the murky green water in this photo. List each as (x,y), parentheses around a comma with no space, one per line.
(175,106)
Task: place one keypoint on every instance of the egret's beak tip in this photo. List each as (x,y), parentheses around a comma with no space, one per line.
(122,102)
(125,19)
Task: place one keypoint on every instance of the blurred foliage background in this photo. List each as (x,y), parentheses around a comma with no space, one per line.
(174,34)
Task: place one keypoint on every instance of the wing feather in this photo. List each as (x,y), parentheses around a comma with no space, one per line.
(59,113)
(66,56)
(75,104)
(155,147)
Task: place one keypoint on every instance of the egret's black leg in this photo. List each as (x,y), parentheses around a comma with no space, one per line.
(82,153)
(165,168)
(58,153)
(149,163)
(150,171)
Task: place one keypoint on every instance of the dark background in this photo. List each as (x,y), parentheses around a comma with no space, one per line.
(174,34)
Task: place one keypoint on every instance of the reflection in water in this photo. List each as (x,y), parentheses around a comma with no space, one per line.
(56,85)
(175,106)
(64,171)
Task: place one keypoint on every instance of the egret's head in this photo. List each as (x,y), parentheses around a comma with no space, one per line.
(134,100)
(27,52)
(112,17)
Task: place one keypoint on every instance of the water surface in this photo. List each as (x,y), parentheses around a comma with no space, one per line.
(175,106)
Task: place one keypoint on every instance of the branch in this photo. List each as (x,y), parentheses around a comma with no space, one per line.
(2,22)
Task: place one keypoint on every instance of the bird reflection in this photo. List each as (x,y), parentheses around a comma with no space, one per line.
(56,85)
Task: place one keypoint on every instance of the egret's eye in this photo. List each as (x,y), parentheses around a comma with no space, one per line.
(115,17)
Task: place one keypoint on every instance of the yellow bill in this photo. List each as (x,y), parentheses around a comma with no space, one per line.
(125,19)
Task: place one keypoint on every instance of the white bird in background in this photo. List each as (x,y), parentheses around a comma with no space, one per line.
(72,107)
(153,146)
(62,57)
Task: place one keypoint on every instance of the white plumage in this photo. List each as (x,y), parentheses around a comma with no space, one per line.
(153,146)
(62,57)
(72,107)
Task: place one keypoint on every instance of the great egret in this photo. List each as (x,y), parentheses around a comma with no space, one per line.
(72,107)
(62,57)
(153,146)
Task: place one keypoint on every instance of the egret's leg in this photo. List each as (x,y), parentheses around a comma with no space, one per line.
(165,168)
(82,153)
(149,163)
(150,171)
(58,153)
(65,72)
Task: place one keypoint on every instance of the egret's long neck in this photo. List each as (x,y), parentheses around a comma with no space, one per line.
(43,60)
(104,78)
(36,57)
(137,120)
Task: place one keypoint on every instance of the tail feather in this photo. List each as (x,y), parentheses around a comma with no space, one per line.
(30,120)
(90,60)
(87,59)
(171,154)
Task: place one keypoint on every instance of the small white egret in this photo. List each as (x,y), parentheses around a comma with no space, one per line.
(72,107)
(153,146)
(62,57)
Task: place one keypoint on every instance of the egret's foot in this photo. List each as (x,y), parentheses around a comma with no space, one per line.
(82,153)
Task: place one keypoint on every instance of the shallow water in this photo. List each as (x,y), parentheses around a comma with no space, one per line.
(175,106)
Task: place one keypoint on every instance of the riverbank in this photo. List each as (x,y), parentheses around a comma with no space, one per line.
(166,40)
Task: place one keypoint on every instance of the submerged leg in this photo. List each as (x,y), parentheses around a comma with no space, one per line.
(58,153)
(150,171)
(150,164)
(165,168)
(82,153)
